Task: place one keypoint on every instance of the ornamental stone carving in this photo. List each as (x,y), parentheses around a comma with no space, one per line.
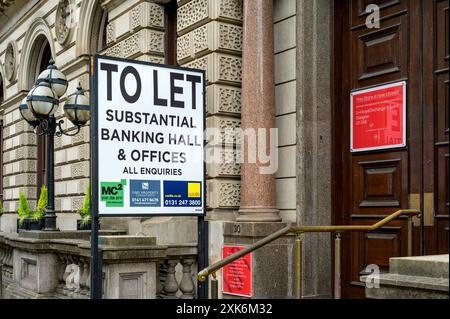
(10,61)
(64,21)
(147,15)
(198,12)
(223,99)
(224,194)
(145,41)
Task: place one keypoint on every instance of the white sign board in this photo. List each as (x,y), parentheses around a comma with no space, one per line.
(149,150)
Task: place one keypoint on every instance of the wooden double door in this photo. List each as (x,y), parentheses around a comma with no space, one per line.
(411,45)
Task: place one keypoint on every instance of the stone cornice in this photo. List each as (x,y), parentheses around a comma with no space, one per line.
(110,4)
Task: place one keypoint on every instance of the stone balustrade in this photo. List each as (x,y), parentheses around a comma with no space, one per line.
(6,259)
(73,276)
(177,273)
(57,265)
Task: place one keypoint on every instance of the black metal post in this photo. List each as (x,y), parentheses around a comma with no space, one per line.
(202,287)
(96,253)
(1,280)
(96,262)
(50,216)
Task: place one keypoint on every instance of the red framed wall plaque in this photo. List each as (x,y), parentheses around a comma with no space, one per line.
(378,118)
(237,276)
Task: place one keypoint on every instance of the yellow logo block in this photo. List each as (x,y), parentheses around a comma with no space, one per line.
(194,190)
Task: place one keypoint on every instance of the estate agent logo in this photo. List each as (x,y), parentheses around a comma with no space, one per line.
(145,193)
(112,193)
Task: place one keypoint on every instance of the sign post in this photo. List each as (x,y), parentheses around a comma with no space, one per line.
(147,138)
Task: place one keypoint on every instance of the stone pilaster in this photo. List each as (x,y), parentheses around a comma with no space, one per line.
(258,109)
(314,141)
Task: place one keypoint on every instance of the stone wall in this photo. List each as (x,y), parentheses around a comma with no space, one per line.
(285,46)
(30,25)
(135,29)
(313,129)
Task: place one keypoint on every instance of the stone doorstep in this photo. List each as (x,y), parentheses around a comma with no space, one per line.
(63,234)
(434,266)
(416,282)
(124,240)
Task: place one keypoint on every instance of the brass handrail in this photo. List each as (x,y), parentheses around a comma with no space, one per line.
(203,274)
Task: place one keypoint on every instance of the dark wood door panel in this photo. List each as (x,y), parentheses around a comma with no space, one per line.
(438,83)
(380,182)
(442,234)
(412,44)
(372,248)
(378,246)
(442,202)
(442,37)
(380,55)
(442,103)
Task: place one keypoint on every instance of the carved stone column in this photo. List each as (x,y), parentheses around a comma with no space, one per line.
(258,109)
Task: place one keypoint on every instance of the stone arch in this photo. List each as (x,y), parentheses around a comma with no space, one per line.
(35,40)
(91,21)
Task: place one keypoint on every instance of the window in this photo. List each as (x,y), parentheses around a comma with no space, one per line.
(171,32)
(42,62)
(99,25)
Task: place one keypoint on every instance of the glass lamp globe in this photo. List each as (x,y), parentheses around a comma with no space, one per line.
(27,114)
(77,107)
(55,77)
(42,101)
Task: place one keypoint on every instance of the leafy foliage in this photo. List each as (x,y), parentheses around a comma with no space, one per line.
(24,211)
(85,210)
(41,208)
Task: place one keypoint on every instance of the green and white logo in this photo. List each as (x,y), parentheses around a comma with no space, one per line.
(112,193)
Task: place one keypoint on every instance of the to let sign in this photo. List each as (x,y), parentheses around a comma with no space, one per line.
(149,141)
(378,118)
(237,276)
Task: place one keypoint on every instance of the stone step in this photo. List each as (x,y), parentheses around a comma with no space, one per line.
(421,277)
(434,266)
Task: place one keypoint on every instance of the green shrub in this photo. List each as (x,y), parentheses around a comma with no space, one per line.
(41,208)
(1,208)
(85,210)
(24,211)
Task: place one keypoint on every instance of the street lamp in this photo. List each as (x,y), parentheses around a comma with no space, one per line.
(38,109)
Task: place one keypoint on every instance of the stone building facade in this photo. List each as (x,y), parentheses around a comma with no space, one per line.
(204,34)
(300,95)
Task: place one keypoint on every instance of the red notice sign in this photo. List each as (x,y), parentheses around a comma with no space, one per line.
(237,276)
(378,118)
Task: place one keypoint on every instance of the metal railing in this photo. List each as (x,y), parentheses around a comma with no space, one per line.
(298,230)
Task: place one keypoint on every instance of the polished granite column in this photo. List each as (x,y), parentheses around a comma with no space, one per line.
(258,109)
